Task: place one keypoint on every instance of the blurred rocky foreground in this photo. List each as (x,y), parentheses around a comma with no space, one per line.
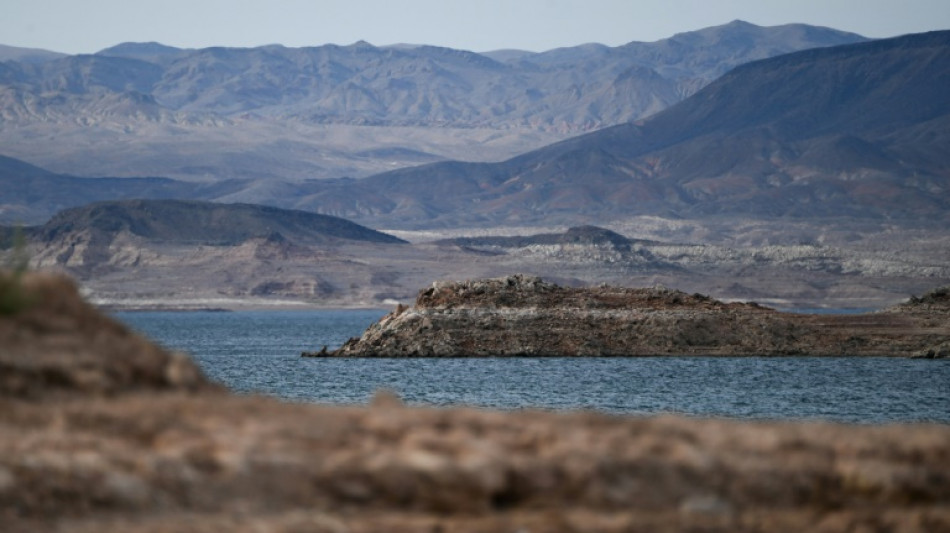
(102,431)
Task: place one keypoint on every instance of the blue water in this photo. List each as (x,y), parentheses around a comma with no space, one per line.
(259,352)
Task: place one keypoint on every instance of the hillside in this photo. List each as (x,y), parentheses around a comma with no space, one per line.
(191,222)
(31,195)
(855,131)
(190,254)
(146,109)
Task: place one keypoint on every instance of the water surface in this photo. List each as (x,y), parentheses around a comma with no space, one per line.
(259,351)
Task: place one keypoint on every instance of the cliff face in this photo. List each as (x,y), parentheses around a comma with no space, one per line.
(524,316)
(102,431)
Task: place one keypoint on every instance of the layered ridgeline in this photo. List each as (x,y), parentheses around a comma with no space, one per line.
(574,88)
(103,431)
(857,131)
(32,195)
(854,131)
(144,109)
(161,253)
(524,316)
(192,222)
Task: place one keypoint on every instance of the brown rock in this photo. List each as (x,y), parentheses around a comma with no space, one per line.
(56,344)
(524,316)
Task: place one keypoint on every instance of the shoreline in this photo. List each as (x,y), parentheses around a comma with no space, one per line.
(238,306)
(263,304)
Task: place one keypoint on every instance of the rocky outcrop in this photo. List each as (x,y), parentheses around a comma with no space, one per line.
(938,351)
(524,316)
(144,450)
(53,344)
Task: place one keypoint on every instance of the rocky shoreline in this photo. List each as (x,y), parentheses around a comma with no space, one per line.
(525,316)
(102,431)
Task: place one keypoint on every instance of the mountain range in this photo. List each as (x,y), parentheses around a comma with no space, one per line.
(814,178)
(146,109)
(856,131)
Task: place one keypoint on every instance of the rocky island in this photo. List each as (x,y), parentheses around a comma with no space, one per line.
(525,316)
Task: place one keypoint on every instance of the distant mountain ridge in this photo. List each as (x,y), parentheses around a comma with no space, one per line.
(138,109)
(852,131)
(574,89)
(151,52)
(192,222)
(31,195)
(27,55)
(429,84)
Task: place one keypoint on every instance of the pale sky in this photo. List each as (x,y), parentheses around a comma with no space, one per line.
(86,26)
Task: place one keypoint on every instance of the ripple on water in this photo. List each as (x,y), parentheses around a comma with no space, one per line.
(258,351)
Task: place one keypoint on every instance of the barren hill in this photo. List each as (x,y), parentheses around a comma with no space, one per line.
(192,222)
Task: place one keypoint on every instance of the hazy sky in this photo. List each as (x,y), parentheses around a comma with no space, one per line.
(86,26)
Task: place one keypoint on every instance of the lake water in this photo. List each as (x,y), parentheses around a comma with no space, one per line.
(259,351)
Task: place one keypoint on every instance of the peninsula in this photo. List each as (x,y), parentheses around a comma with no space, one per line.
(524,316)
